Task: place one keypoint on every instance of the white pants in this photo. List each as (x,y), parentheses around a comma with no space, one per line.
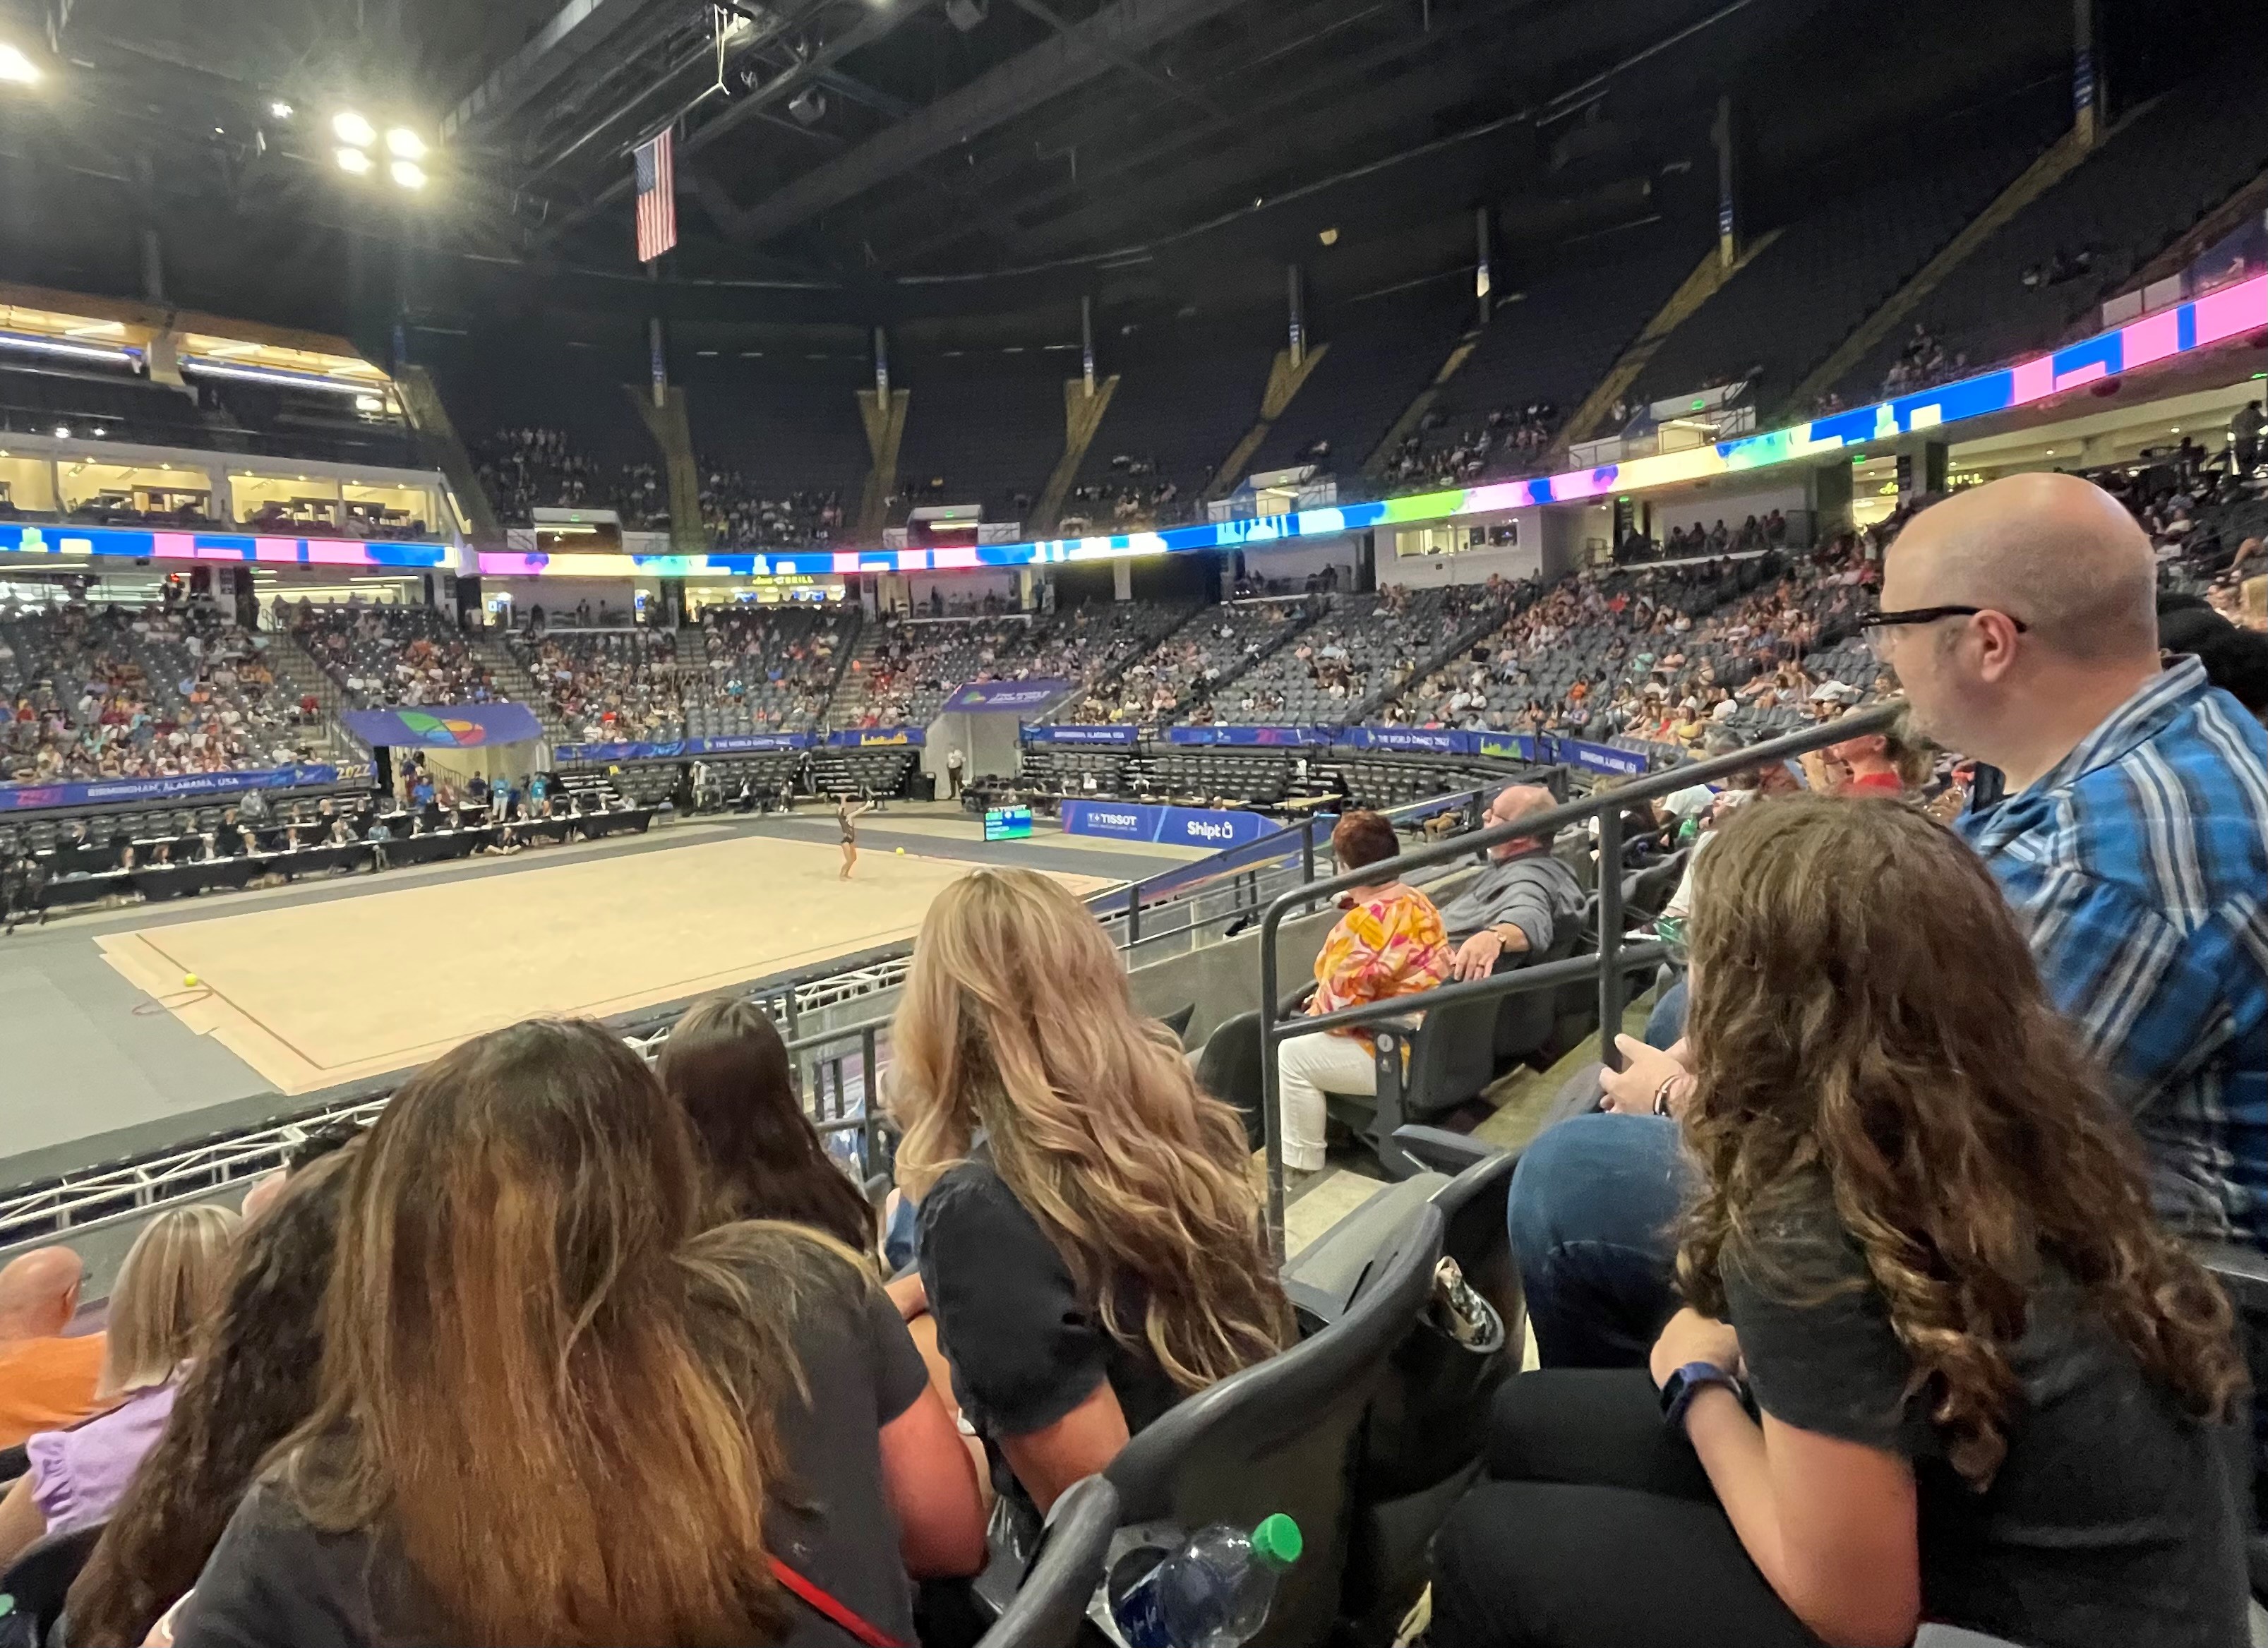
(1307,1068)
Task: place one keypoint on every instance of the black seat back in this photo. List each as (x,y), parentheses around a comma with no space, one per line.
(1283,1437)
(1048,1605)
(1524,1023)
(1229,1069)
(1453,1057)
(41,1578)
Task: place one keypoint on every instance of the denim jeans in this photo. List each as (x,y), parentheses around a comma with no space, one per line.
(1667,1022)
(1594,1213)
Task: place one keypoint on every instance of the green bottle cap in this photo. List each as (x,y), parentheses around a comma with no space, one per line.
(1276,1541)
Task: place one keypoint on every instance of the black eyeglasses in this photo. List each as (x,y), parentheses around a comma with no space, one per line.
(1930,614)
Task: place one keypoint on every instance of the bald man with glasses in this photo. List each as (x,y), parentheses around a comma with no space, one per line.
(2021,621)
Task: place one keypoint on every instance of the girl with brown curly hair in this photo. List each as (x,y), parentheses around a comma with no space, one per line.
(1939,1362)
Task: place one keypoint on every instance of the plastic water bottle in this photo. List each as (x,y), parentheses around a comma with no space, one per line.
(1213,1592)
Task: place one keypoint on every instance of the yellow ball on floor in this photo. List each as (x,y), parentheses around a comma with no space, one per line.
(901,852)
(190,980)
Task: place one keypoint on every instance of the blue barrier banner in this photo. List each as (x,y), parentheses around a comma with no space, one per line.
(445,726)
(878,737)
(679,750)
(1182,827)
(168,544)
(1424,740)
(182,786)
(1598,758)
(1036,694)
(1123,735)
(1270,736)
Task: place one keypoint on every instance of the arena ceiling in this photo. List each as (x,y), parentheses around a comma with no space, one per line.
(874,158)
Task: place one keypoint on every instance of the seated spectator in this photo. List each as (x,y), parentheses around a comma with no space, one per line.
(46,1380)
(1517,907)
(166,1294)
(1389,943)
(254,1385)
(2021,618)
(1991,1385)
(529,1333)
(726,1063)
(1091,1242)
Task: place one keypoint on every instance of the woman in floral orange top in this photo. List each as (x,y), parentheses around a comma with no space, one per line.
(1389,943)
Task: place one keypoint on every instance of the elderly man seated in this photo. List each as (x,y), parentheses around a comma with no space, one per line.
(1520,902)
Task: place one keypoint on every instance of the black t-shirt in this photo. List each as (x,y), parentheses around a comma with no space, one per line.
(1026,1349)
(275,1580)
(2112,1522)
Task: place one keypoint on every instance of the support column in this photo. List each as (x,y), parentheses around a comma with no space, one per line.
(1086,343)
(2086,100)
(1832,494)
(1483,279)
(1121,580)
(1922,469)
(1728,229)
(1298,320)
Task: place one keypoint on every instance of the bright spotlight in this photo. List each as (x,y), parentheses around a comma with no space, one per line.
(15,68)
(280,109)
(408,174)
(404,144)
(351,128)
(369,403)
(100,432)
(63,431)
(354,160)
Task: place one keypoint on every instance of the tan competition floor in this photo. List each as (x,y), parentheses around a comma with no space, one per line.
(314,994)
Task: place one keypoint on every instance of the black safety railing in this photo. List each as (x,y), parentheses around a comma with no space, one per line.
(1615,958)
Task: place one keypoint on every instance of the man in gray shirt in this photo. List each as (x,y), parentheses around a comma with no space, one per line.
(1517,904)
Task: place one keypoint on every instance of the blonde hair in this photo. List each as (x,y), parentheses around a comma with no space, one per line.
(167,1293)
(1017,1020)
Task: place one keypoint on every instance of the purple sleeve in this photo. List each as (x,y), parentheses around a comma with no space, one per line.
(53,1489)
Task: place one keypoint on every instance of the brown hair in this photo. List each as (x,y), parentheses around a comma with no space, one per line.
(523,1339)
(1866,1013)
(762,1158)
(1016,1020)
(166,1294)
(1362,839)
(253,1381)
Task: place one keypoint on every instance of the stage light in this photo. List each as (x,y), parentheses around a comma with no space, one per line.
(353,161)
(280,110)
(404,144)
(408,174)
(100,432)
(15,68)
(369,403)
(63,431)
(351,128)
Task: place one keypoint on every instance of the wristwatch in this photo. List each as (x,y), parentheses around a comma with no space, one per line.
(1684,1384)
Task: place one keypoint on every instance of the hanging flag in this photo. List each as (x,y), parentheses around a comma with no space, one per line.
(657,198)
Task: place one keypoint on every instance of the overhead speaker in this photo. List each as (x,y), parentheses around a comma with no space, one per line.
(808,104)
(965,15)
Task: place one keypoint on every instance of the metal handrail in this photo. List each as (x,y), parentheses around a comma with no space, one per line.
(1609,966)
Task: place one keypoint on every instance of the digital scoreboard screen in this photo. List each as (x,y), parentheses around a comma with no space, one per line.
(1007,823)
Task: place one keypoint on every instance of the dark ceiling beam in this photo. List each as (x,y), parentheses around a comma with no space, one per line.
(1120,58)
(878,22)
(1069,60)
(575,31)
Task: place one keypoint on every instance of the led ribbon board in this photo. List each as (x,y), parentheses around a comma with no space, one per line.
(135,543)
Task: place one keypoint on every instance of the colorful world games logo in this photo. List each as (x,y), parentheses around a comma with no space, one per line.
(432,729)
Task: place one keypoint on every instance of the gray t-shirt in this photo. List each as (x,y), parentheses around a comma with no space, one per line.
(1534,892)
(2112,1522)
(275,1581)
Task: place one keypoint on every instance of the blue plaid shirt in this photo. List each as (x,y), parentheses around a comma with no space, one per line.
(2141,864)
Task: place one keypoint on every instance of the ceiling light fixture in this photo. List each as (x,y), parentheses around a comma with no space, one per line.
(15,68)
(354,161)
(351,128)
(279,110)
(404,144)
(408,174)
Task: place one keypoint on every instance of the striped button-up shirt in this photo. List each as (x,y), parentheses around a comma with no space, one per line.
(2140,862)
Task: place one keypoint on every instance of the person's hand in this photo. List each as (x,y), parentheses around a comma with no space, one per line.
(1629,1090)
(1693,1337)
(1476,957)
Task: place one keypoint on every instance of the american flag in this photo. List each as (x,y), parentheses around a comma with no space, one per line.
(657,198)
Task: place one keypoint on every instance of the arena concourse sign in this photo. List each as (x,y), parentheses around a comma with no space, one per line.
(178,787)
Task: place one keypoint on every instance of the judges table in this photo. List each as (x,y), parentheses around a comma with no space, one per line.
(68,884)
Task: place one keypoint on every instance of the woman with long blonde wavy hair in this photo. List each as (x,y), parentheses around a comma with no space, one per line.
(1089,1236)
(1939,1360)
(556,1406)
